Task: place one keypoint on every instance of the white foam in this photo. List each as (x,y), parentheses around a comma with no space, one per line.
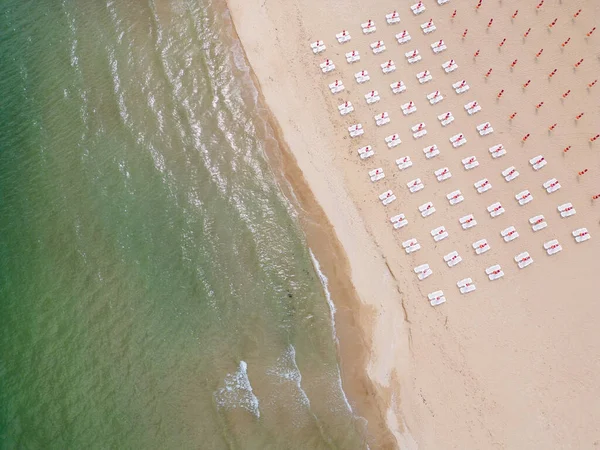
(286,369)
(237,392)
(325,284)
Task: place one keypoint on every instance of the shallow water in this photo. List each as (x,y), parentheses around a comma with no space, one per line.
(155,288)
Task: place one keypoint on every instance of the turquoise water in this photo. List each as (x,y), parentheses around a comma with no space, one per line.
(155,288)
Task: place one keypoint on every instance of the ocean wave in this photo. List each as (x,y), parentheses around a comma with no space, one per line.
(237,392)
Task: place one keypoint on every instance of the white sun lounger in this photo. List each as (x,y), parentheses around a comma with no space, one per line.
(404,162)
(455,197)
(431,151)
(388,67)
(327,66)
(460,86)
(415,185)
(342,37)
(484,128)
(452,258)
(372,97)
(376,174)
(387,197)
(413,56)
(408,108)
(436,298)
(552,247)
(466,285)
(457,140)
(524,197)
(581,235)
(365,152)
(439,234)
(398,87)
(497,151)
(482,185)
(481,246)
(423,271)
(472,107)
(426,209)
(318,47)
(467,221)
(523,260)
(443,174)
(362,77)
(438,46)
(435,97)
(446,119)
(418,8)
(509,234)
(336,87)
(537,162)
(494,272)
(552,185)
(345,108)
(403,37)
(470,162)
(353,56)
(377,47)
(393,140)
(368,27)
(566,210)
(442,2)
(418,127)
(420,134)
(510,173)
(428,27)
(399,221)
(356,130)
(392,18)
(450,66)
(381,119)
(424,77)
(538,223)
(495,209)
(411,245)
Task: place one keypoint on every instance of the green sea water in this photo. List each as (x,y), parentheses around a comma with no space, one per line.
(156,291)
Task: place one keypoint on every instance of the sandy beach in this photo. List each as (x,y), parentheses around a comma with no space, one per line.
(514,363)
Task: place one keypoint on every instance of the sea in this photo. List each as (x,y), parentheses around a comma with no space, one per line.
(156,289)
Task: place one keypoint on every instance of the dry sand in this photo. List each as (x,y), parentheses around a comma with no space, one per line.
(514,364)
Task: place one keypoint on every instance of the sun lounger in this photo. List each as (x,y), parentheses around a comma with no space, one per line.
(484,128)
(362,77)
(399,221)
(365,152)
(494,272)
(403,37)
(318,47)
(424,77)
(435,97)
(481,246)
(393,140)
(495,209)
(418,127)
(423,271)
(431,151)
(538,223)
(446,118)
(460,87)
(450,66)
(472,107)
(404,162)
(482,185)
(342,37)
(368,27)
(356,130)
(442,2)
(428,27)
(436,298)
(345,108)
(581,235)
(418,8)
(408,108)
(523,260)
(467,221)
(411,245)
(327,66)
(566,210)
(524,197)
(376,174)
(413,56)
(426,209)
(552,185)
(388,67)
(398,87)
(497,151)
(415,185)
(510,173)
(465,285)
(443,174)
(470,162)
(381,119)
(438,46)
(452,258)
(377,47)
(457,140)
(509,234)
(537,162)
(372,97)
(387,197)
(353,56)
(392,18)
(455,197)
(439,234)
(552,247)
(336,87)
